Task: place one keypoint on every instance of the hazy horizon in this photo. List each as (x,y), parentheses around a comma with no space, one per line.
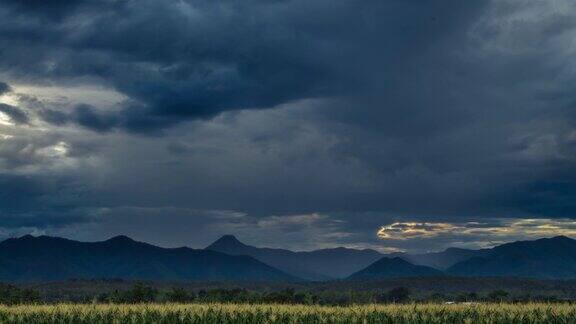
(244,242)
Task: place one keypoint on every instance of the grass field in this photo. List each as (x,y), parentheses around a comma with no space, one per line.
(230,313)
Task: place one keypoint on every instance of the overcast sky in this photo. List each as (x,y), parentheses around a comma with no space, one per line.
(399,125)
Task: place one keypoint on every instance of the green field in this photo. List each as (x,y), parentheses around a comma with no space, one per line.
(245,313)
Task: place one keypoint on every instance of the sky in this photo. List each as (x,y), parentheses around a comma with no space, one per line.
(397,125)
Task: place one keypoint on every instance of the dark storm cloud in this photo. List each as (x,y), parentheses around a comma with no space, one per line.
(54,117)
(39,202)
(195,59)
(86,116)
(54,9)
(4,88)
(16,115)
(349,115)
(21,190)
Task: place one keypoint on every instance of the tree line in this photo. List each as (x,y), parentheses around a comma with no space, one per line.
(11,295)
(142,293)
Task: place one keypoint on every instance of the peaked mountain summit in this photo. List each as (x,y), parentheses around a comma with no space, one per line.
(230,244)
(387,268)
(44,258)
(313,265)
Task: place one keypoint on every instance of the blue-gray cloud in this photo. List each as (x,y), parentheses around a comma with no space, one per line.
(368,112)
(4,88)
(14,113)
(195,59)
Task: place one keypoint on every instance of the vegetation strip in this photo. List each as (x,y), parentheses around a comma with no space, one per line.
(277,313)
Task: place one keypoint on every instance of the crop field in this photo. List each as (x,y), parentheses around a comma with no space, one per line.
(269,313)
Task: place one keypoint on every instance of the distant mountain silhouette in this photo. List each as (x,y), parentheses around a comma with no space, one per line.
(387,268)
(44,258)
(439,260)
(314,265)
(549,258)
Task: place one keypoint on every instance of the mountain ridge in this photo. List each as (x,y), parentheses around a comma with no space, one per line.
(323,264)
(45,258)
(545,258)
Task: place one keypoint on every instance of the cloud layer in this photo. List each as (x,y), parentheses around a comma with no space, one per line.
(423,116)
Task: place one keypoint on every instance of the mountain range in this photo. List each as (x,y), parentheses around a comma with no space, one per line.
(44,258)
(547,258)
(316,265)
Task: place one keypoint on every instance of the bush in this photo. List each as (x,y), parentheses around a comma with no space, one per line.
(11,295)
(138,294)
(398,295)
(179,295)
(498,296)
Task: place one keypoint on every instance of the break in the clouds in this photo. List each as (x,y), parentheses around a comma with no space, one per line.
(319,122)
(472,234)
